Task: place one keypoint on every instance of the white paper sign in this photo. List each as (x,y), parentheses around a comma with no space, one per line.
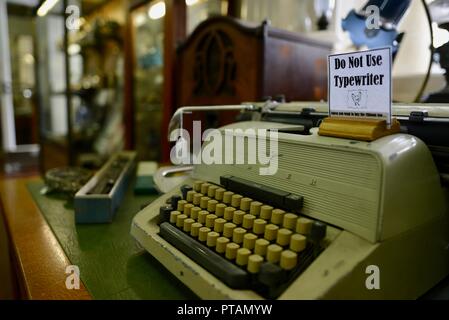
(360,84)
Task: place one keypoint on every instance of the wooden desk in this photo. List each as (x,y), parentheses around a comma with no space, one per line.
(44,240)
(38,261)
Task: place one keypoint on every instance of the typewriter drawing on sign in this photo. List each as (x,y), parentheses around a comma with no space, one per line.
(335,212)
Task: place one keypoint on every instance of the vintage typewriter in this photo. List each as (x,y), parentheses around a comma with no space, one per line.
(337,214)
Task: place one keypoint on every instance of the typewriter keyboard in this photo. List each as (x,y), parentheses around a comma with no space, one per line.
(246,242)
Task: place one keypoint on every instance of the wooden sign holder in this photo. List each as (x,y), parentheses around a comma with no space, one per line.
(357,128)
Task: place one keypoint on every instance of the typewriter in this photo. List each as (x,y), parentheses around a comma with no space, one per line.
(340,218)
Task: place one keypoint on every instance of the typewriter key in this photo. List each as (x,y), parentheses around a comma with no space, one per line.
(221,244)
(194,212)
(242,256)
(249,240)
(231,250)
(289,260)
(283,237)
(271,231)
(212,238)
(290,221)
(173,216)
(219,224)
(274,253)
(254,263)
(188,224)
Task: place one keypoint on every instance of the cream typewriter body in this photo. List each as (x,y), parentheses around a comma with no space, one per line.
(339,219)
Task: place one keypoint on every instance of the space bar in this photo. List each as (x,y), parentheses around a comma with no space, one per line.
(227,272)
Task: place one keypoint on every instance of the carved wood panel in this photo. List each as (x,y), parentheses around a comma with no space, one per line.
(215,67)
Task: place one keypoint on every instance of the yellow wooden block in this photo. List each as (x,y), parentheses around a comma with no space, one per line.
(357,128)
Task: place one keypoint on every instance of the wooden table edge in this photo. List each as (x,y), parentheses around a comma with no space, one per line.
(40,258)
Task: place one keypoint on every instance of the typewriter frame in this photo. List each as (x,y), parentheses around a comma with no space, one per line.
(340,272)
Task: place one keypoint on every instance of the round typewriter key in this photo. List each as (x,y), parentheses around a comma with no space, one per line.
(259,226)
(297,242)
(204,188)
(318,231)
(219,194)
(254,263)
(197,185)
(237,235)
(283,237)
(197,198)
(229,213)
(289,259)
(202,216)
(242,256)
(194,212)
(187,209)
(202,233)
(211,205)
(248,221)
(277,216)
(271,232)
(173,216)
(265,212)
(274,253)
(174,200)
(249,240)
(188,224)
(211,191)
(303,226)
(235,200)
(227,195)
(212,238)
(180,206)
(290,221)
(254,208)
(228,229)
(184,189)
(195,228)
(231,250)
(221,244)
(237,218)
(210,218)
(219,224)
(180,220)
(190,195)
(164,213)
(261,246)
(245,204)
(203,202)
(219,209)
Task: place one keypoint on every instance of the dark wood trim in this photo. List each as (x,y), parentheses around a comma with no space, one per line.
(129,109)
(68,92)
(296,37)
(263,57)
(174,33)
(234,8)
(243,26)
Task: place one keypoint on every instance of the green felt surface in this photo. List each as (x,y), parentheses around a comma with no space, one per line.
(112,266)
